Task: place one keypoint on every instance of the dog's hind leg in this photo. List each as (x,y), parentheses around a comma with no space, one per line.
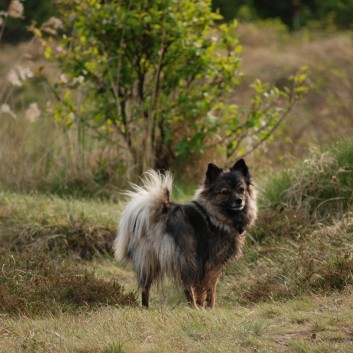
(145,283)
(146,294)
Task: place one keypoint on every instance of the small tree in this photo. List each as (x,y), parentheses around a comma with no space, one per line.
(155,76)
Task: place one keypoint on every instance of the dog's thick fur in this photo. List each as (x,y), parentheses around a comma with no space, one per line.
(189,243)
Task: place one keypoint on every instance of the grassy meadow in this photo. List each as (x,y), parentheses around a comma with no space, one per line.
(291,291)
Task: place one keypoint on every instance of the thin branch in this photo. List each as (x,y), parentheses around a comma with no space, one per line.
(3,25)
(270,133)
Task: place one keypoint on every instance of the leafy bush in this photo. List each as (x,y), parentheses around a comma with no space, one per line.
(33,284)
(115,114)
(152,79)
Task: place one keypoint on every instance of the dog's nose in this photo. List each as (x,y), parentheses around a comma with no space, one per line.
(237,203)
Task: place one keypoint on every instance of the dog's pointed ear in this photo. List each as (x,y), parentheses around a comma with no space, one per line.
(241,167)
(212,173)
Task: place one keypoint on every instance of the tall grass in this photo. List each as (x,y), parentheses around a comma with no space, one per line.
(285,265)
(302,241)
(321,185)
(42,156)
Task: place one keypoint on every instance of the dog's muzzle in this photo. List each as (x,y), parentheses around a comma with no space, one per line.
(237,205)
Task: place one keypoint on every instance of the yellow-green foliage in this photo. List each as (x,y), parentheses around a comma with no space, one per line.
(154,79)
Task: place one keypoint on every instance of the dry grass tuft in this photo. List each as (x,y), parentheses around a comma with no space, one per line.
(320,186)
(315,260)
(280,223)
(74,235)
(59,226)
(35,285)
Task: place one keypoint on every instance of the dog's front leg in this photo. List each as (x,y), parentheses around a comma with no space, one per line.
(201,294)
(190,295)
(211,297)
(212,280)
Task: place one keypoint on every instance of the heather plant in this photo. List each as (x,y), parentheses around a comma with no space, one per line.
(56,226)
(35,285)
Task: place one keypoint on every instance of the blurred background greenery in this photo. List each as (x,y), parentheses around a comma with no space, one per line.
(295,14)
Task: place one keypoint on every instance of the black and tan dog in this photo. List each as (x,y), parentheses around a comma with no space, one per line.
(188,243)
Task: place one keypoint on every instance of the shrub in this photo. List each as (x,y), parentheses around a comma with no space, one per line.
(152,79)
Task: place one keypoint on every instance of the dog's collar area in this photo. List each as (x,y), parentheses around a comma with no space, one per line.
(240,229)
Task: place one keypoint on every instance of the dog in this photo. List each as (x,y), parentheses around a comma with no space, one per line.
(190,242)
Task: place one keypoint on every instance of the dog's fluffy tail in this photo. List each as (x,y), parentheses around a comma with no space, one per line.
(143,216)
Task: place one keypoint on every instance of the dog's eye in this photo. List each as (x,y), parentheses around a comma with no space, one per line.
(225,192)
(241,190)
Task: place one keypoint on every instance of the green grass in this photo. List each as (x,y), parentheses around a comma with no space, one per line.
(59,225)
(286,256)
(311,324)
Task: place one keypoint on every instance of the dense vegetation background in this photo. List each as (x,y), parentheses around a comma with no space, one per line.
(296,14)
(94,92)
